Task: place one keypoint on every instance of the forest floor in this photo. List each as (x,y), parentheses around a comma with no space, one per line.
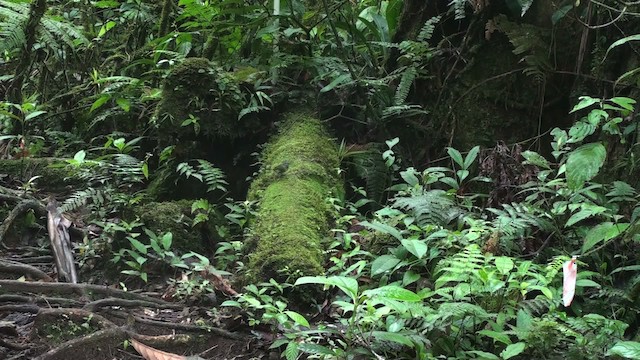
(99,317)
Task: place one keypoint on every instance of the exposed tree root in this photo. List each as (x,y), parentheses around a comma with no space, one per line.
(15,286)
(94,305)
(188,327)
(111,335)
(24,269)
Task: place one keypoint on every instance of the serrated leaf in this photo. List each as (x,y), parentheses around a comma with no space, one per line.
(584,163)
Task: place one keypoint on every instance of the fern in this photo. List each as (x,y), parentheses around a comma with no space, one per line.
(530,42)
(213,176)
(402,91)
(206,173)
(433,207)
(459,8)
(53,34)
(427,29)
(85,197)
(515,221)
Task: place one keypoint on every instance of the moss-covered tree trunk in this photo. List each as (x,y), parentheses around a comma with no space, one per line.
(299,173)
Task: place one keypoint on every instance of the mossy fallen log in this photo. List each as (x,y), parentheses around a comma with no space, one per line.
(299,172)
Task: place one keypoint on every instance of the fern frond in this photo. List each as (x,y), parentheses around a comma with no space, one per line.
(84,197)
(427,29)
(515,221)
(435,207)
(404,87)
(213,176)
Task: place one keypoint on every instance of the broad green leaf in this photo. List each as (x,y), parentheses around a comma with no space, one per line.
(393,337)
(299,319)
(80,156)
(580,130)
(587,283)
(411,276)
(455,156)
(416,247)
(586,211)
(348,285)
(622,41)
(626,268)
(337,81)
(560,13)
(140,247)
(585,102)
(167,239)
(392,292)
(383,228)
(626,349)
(602,232)
(624,102)
(584,163)
(496,336)
(471,157)
(483,355)
(513,350)
(504,264)
(124,104)
(98,103)
(315,349)
(383,264)
(34,114)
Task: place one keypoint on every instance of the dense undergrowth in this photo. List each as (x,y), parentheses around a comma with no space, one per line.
(153,112)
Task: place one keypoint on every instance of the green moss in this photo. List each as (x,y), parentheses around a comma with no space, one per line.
(299,173)
(196,87)
(57,179)
(174,217)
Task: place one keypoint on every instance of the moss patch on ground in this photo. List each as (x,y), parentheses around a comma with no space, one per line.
(299,173)
(19,171)
(174,217)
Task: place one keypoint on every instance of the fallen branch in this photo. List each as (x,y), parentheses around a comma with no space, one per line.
(24,269)
(14,286)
